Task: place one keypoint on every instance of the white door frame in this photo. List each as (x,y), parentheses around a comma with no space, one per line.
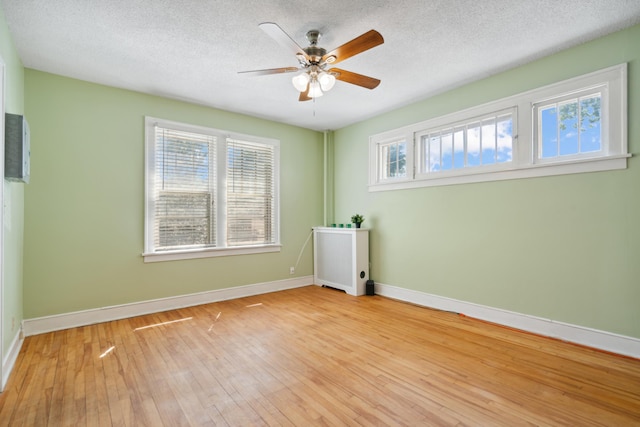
(2,208)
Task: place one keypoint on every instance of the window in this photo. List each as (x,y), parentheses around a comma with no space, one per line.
(482,141)
(570,125)
(578,125)
(393,160)
(208,192)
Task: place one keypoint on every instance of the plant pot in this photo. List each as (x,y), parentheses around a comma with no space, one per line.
(358,224)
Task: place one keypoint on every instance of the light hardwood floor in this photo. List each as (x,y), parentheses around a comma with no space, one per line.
(314,356)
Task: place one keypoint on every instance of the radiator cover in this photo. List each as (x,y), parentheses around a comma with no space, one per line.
(341,258)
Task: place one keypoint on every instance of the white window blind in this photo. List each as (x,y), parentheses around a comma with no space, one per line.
(209,192)
(184,190)
(250,193)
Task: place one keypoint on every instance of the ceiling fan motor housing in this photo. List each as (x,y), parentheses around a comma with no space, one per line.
(315,54)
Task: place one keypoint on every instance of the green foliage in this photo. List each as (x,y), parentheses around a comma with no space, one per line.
(589,113)
(357,218)
(398,160)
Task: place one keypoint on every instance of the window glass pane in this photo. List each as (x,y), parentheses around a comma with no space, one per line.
(402,160)
(458,148)
(590,129)
(473,144)
(568,124)
(548,117)
(488,141)
(434,153)
(481,142)
(504,129)
(447,150)
(393,159)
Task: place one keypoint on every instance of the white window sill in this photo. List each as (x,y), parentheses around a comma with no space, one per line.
(208,253)
(615,162)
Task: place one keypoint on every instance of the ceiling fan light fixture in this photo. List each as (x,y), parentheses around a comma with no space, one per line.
(314,89)
(313,78)
(326,81)
(301,81)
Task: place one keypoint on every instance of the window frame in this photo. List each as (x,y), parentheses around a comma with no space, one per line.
(524,163)
(374,156)
(150,254)
(466,170)
(604,125)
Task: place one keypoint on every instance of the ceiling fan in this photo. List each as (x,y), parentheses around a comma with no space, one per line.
(315,75)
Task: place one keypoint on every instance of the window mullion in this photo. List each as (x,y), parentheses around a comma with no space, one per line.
(495,139)
(440,144)
(213,191)
(527,135)
(557,106)
(480,134)
(579,124)
(465,144)
(414,157)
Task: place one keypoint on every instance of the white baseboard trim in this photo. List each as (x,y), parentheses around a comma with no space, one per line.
(9,360)
(59,322)
(607,341)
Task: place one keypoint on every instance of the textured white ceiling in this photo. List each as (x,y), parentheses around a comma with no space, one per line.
(192,49)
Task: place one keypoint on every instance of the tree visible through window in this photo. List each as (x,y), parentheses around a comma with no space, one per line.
(570,127)
(393,159)
(573,126)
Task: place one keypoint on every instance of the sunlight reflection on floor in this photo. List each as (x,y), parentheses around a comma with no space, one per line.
(163,323)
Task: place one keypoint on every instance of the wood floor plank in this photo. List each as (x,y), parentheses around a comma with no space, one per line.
(314,356)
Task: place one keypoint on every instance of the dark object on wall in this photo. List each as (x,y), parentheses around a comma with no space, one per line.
(16,148)
(369,288)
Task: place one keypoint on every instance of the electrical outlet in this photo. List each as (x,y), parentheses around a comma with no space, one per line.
(292,270)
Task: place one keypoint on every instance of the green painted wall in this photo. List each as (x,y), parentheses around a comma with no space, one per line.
(12,313)
(84,206)
(565,248)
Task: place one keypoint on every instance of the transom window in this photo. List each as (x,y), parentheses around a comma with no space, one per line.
(393,160)
(577,125)
(569,126)
(482,141)
(208,192)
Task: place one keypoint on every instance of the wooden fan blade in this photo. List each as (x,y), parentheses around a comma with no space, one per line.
(270,71)
(275,32)
(304,96)
(355,78)
(366,41)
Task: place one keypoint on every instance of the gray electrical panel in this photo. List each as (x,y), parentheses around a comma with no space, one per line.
(16,148)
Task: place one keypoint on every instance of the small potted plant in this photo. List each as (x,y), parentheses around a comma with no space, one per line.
(357,219)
